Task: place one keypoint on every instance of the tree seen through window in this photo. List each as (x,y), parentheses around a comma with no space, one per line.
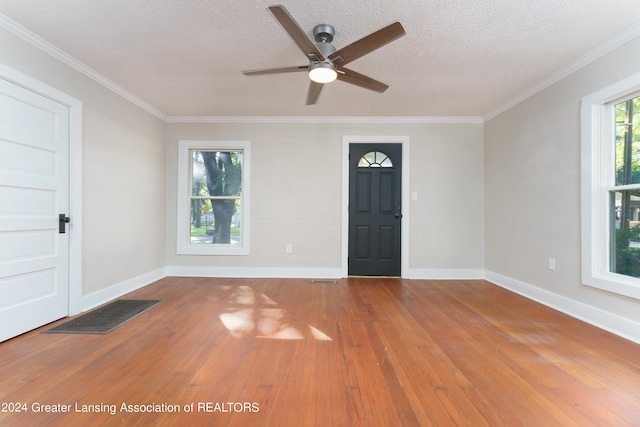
(625,197)
(216,186)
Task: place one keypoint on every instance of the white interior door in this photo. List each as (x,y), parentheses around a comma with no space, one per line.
(34,190)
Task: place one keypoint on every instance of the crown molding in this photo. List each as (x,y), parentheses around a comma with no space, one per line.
(576,65)
(327,119)
(38,42)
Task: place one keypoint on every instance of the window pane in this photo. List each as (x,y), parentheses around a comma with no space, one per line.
(198,176)
(375,159)
(625,232)
(216,222)
(366,160)
(217,174)
(386,162)
(628,142)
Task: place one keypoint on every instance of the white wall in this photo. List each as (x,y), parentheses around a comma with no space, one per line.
(123,175)
(532,204)
(296,197)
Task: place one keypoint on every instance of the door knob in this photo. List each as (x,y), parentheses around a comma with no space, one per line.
(63,220)
(398,215)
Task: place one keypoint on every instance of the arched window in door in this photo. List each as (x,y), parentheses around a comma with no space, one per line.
(375,159)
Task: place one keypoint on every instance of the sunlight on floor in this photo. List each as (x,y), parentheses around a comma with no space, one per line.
(262,322)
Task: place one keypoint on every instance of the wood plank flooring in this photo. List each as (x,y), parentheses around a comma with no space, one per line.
(361,352)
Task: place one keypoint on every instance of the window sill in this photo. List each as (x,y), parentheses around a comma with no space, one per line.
(210,250)
(616,283)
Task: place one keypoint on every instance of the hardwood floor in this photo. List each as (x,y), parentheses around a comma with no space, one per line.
(361,352)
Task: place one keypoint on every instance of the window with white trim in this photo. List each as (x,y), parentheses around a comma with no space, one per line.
(213,197)
(611,188)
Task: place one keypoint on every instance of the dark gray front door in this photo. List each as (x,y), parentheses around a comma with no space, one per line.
(375,189)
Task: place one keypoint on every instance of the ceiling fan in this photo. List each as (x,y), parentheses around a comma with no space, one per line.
(326,64)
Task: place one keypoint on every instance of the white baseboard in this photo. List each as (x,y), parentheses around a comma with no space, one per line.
(254,272)
(610,322)
(332,273)
(446,274)
(112,292)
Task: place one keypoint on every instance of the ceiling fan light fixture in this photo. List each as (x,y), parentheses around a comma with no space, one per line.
(322,72)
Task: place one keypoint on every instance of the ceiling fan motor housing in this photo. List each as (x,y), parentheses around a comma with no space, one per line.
(324,33)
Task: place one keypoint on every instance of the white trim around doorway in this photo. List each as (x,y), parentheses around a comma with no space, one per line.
(376,139)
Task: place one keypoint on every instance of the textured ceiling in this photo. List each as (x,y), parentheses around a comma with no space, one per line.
(458,58)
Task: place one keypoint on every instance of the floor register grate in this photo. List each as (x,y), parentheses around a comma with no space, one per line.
(104,319)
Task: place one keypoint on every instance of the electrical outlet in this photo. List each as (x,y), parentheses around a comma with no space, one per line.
(288,248)
(552,264)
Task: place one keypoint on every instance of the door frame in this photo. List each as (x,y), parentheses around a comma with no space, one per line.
(404,234)
(75,174)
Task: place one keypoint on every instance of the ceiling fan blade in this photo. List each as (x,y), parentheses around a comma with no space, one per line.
(298,35)
(361,80)
(276,70)
(314,92)
(367,44)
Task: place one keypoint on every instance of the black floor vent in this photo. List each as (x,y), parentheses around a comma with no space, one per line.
(104,319)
